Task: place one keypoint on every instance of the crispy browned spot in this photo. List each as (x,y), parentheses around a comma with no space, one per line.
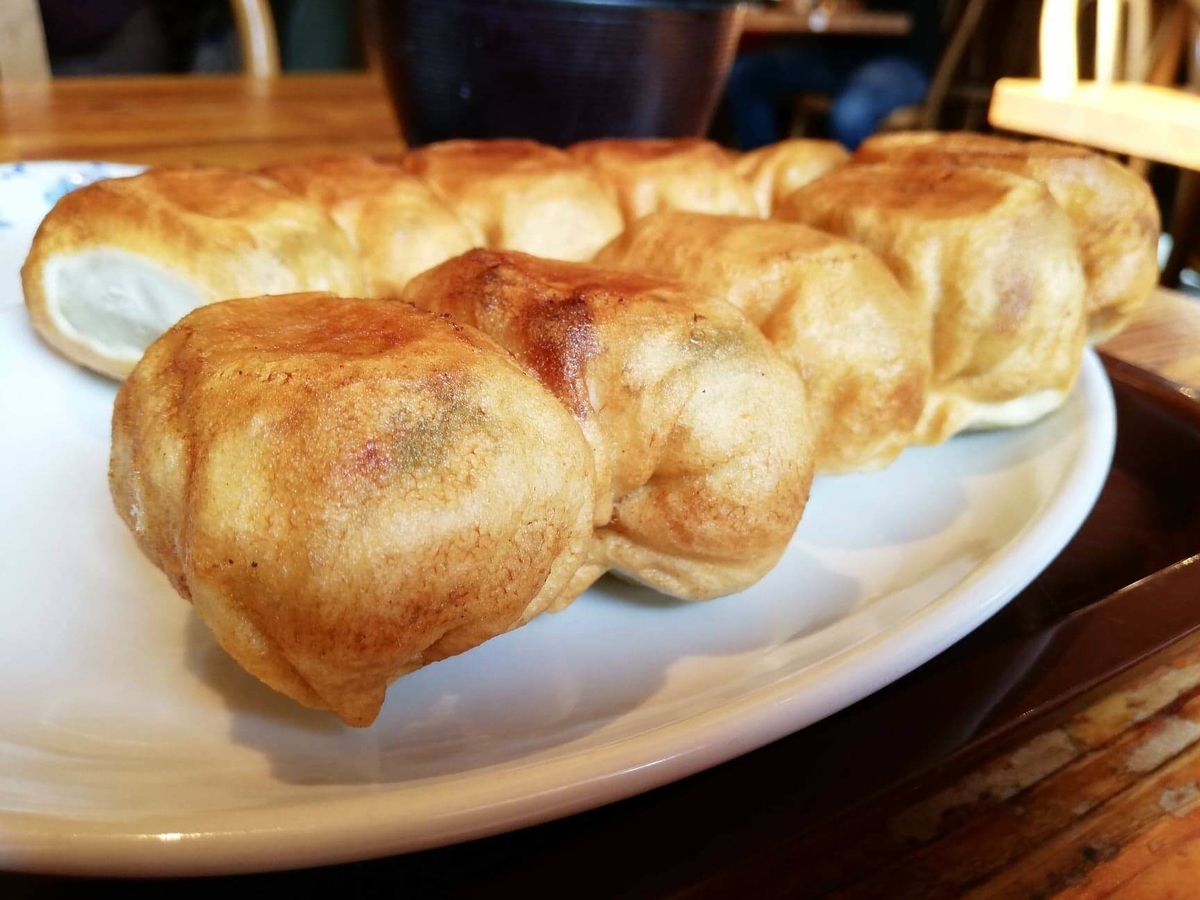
(553,322)
(934,190)
(560,338)
(321,325)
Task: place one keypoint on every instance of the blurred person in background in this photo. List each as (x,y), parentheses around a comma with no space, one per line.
(127,37)
(865,77)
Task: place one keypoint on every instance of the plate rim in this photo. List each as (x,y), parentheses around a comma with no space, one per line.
(453,809)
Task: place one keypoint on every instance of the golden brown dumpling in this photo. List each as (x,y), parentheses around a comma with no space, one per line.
(649,175)
(347,490)
(116,263)
(828,305)
(396,224)
(1115,215)
(778,169)
(993,259)
(698,428)
(521,195)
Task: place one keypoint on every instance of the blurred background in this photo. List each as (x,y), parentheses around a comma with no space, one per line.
(746,74)
(126,37)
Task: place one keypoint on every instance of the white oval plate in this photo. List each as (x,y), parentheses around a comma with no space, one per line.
(129,743)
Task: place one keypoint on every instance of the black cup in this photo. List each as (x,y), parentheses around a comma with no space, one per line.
(557,71)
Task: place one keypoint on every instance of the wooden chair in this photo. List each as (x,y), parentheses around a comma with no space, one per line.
(23,55)
(1117,111)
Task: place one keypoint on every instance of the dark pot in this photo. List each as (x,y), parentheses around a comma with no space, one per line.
(558,71)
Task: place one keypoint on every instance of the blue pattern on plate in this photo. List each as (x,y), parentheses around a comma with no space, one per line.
(86,174)
(51,180)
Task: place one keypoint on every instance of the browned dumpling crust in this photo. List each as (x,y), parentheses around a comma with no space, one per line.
(651,175)
(992,258)
(830,307)
(521,195)
(699,429)
(347,490)
(776,170)
(1115,215)
(397,225)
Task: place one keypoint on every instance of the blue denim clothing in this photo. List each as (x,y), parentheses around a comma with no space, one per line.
(864,93)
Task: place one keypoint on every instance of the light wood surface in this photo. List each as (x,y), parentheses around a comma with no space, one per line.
(1156,123)
(1106,806)
(863,22)
(226,121)
(1145,121)
(1164,338)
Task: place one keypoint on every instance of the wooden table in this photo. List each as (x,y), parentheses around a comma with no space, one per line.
(1164,338)
(225,121)
(841,21)
(1106,805)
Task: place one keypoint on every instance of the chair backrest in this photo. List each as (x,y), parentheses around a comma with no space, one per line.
(257,38)
(1139,114)
(1059,43)
(23,55)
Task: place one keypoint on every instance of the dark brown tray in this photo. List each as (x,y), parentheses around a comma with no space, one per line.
(1123,594)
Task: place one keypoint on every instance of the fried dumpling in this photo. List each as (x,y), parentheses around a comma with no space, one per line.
(774,171)
(521,195)
(347,490)
(685,173)
(396,224)
(116,263)
(1115,215)
(992,258)
(698,427)
(830,307)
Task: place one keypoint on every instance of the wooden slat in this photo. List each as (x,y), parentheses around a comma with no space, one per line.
(1162,862)
(1058,50)
(1156,123)
(23,54)
(1137,41)
(973,827)
(992,843)
(1108,35)
(1087,846)
(258,42)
